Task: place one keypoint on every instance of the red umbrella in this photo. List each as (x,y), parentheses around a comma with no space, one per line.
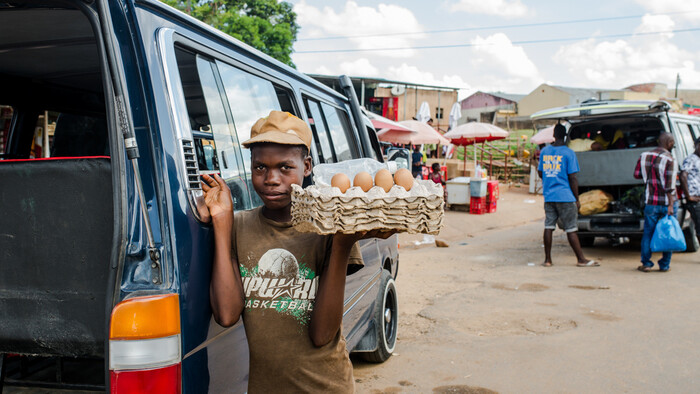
(474,133)
(379,122)
(421,133)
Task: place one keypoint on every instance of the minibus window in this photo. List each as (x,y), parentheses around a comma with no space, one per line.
(686,137)
(215,143)
(250,98)
(339,128)
(320,131)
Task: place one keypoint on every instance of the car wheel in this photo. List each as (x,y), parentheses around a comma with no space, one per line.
(386,320)
(586,240)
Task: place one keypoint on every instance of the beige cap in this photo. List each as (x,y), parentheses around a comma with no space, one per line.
(280,128)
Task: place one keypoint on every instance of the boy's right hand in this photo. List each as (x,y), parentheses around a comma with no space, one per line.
(217,197)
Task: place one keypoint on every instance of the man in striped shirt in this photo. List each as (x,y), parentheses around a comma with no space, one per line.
(658,170)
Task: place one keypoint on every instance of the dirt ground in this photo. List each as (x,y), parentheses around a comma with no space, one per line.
(483,315)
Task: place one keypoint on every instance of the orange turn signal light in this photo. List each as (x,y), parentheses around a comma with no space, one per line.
(146,317)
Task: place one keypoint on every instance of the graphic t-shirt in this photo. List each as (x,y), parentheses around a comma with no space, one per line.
(556,163)
(280,268)
(691,165)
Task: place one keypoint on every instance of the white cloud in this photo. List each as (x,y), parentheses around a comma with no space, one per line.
(358,22)
(323,70)
(504,8)
(656,23)
(685,9)
(621,63)
(359,68)
(407,73)
(497,53)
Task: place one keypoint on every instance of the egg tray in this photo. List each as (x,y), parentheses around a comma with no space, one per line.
(325,210)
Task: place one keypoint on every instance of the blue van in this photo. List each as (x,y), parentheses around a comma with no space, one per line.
(109,113)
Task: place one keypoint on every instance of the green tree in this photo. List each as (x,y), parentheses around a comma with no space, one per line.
(266,25)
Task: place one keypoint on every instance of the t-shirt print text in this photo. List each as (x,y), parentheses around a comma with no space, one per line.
(279,282)
(551,164)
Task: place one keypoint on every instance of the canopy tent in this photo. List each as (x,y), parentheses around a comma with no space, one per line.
(420,133)
(544,136)
(379,122)
(474,133)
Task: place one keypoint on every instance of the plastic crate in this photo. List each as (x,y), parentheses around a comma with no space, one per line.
(492,192)
(491,207)
(477,187)
(477,205)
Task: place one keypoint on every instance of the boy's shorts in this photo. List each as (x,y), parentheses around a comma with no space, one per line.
(565,214)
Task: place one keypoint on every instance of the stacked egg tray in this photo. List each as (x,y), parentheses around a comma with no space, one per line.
(325,210)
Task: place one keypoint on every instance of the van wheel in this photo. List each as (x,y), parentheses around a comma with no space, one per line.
(586,240)
(386,319)
(691,239)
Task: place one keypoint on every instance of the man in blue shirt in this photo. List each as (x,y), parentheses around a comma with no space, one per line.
(557,168)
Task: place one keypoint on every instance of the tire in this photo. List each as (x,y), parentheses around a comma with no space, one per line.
(386,319)
(691,239)
(586,240)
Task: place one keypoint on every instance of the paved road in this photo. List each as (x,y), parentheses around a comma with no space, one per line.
(483,315)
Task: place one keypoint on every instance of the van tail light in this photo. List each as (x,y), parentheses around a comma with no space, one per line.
(144,345)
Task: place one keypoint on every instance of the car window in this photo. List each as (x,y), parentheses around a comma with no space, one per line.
(249,98)
(340,132)
(686,136)
(215,142)
(318,127)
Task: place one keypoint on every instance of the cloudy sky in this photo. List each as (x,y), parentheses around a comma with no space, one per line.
(503,45)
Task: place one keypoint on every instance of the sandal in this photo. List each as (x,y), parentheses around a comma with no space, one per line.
(547,264)
(589,263)
(644,268)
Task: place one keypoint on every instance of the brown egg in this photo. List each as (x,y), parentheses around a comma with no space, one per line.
(341,181)
(384,180)
(363,180)
(404,178)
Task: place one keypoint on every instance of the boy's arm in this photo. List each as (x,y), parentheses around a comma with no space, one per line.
(226,289)
(327,315)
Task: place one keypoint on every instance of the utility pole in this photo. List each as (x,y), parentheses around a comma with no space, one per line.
(678,82)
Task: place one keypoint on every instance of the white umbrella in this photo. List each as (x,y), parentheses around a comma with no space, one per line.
(423,114)
(544,136)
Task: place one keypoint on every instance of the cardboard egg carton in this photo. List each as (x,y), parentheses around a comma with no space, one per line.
(325,210)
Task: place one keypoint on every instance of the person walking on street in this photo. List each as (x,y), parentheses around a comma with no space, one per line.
(557,168)
(658,170)
(690,181)
(416,161)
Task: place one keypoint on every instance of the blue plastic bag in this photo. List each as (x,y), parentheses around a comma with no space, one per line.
(668,236)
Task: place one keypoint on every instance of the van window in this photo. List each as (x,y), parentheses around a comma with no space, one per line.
(249,98)
(215,142)
(686,134)
(340,131)
(318,127)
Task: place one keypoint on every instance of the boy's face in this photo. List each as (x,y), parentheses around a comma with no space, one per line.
(275,168)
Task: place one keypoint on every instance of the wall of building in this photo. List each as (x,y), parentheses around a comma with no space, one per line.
(410,101)
(543,97)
